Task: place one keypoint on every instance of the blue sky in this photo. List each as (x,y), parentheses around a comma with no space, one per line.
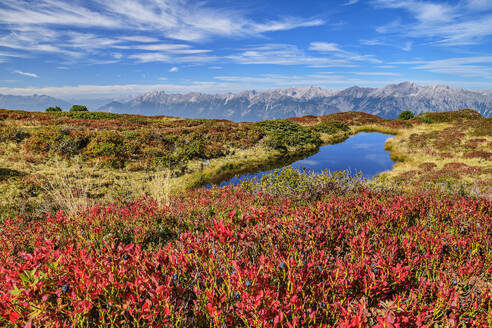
(105,49)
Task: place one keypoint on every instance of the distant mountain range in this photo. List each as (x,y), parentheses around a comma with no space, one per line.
(281,103)
(31,103)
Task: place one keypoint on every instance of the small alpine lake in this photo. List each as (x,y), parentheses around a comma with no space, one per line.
(362,152)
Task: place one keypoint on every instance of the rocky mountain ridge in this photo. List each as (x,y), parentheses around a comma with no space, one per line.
(254,105)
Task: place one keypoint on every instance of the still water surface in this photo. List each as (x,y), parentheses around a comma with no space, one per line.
(363,152)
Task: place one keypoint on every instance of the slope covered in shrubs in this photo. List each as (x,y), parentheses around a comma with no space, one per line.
(116,154)
(255,256)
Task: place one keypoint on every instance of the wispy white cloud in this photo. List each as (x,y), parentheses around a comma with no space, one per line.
(166,47)
(151,57)
(26,74)
(178,19)
(479,4)
(283,80)
(373,42)
(423,11)
(76,45)
(464,23)
(89,41)
(288,23)
(139,38)
(173,69)
(29,41)
(79,29)
(324,46)
(405,45)
(376,73)
(351,2)
(475,66)
(283,54)
(287,54)
(53,12)
(6,55)
(337,52)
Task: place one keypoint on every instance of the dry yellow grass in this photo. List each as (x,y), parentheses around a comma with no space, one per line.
(432,164)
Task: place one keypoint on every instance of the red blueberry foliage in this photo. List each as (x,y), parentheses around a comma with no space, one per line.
(225,257)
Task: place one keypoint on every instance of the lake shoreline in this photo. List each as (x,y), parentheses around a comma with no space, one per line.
(303,161)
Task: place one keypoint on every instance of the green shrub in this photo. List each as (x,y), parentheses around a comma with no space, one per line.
(425,119)
(192,150)
(302,184)
(113,147)
(52,109)
(69,142)
(331,127)
(406,115)
(107,143)
(453,116)
(283,133)
(79,108)
(482,127)
(13,133)
(86,115)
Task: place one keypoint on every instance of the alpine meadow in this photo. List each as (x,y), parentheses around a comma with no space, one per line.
(221,164)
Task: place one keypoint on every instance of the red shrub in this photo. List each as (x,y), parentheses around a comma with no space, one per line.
(225,257)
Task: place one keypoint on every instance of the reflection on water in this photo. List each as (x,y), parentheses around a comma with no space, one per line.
(362,152)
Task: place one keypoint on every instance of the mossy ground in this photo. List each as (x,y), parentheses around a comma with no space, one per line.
(95,157)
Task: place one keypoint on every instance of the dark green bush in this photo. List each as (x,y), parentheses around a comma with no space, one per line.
(331,127)
(114,148)
(194,149)
(52,109)
(86,115)
(406,115)
(425,119)
(107,144)
(283,133)
(79,108)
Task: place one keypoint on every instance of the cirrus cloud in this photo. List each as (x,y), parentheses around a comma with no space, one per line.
(463,23)
(26,74)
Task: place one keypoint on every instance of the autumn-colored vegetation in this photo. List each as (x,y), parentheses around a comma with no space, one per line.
(95,232)
(114,152)
(244,256)
(112,149)
(124,140)
(445,149)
